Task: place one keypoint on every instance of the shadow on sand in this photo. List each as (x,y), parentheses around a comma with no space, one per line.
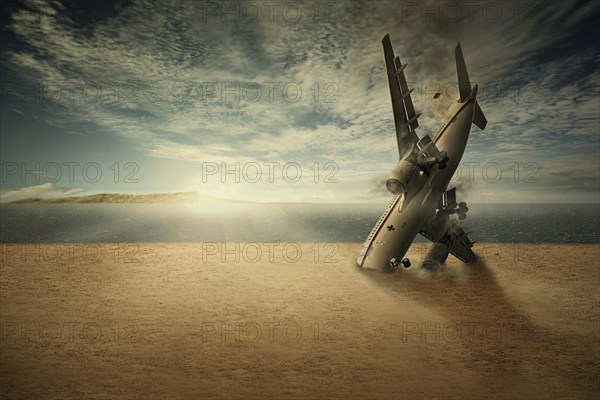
(492,332)
(466,293)
(508,345)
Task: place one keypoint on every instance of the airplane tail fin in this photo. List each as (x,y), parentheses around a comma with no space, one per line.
(465,90)
(464,84)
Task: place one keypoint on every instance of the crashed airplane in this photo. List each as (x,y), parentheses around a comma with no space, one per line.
(423,204)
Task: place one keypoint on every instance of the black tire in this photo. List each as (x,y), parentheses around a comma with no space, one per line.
(442,165)
(462,215)
(463,206)
(406,262)
(443,157)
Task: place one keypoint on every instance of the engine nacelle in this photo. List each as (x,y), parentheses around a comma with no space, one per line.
(397,183)
(437,255)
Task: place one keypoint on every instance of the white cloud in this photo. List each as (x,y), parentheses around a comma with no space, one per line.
(160,60)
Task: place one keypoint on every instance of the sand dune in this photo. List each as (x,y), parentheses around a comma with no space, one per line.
(296,321)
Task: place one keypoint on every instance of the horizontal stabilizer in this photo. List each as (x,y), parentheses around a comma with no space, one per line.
(478,117)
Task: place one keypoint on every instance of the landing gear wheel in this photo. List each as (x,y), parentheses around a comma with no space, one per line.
(463,206)
(442,160)
(461,215)
(406,262)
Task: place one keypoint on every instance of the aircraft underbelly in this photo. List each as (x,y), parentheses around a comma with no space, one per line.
(394,236)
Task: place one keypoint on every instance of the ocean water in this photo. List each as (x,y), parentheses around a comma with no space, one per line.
(42,223)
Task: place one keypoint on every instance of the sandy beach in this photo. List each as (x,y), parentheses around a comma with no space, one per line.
(297,321)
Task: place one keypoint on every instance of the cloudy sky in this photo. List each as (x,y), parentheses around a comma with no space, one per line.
(164,96)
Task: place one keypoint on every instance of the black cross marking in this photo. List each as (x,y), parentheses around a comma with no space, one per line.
(390,227)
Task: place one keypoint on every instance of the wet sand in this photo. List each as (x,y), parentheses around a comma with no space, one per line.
(296,321)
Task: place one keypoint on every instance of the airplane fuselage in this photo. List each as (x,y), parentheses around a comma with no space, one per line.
(408,213)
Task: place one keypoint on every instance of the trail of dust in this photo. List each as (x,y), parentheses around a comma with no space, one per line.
(455,292)
(496,334)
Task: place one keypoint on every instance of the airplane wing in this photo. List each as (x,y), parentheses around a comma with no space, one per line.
(405,117)
(460,245)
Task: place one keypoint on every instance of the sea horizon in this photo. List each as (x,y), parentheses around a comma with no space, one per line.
(277,222)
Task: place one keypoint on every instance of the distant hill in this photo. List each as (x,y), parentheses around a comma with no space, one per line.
(181,197)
